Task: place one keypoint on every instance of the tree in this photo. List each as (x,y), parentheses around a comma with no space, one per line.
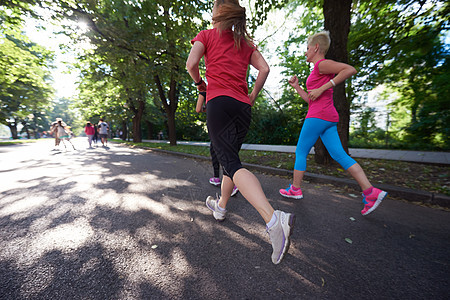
(337,22)
(151,36)
(397,44)
(24,79)
(411,59)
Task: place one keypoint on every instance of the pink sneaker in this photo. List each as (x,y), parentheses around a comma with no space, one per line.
(234,192)
(372,201)
(215,181)
(290,193)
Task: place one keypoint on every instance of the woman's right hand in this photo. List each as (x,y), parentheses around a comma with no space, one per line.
(293,81)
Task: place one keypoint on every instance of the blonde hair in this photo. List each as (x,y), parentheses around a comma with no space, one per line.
(231,15)
(322,39)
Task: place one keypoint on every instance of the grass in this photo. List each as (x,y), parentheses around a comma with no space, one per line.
(15,142)
(419,176)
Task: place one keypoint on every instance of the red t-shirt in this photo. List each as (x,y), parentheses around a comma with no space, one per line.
(323,107)
(89,130)
(226,66)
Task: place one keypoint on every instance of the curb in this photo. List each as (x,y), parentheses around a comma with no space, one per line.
(410,195)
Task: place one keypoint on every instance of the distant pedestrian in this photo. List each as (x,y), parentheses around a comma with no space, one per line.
(321,121)
(53,131)
(95,137)
(103,129)
(215,180)
(90,131)
(228,51)
(64,133)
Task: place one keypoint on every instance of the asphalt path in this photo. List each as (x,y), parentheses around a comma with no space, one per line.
(129,223)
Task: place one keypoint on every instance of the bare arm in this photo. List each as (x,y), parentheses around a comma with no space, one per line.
(259,63)
(342,71)
(294,83)
(200,100)
(197,51)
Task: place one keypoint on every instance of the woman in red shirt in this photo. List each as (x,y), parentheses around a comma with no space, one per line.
(228,51)
(90,131)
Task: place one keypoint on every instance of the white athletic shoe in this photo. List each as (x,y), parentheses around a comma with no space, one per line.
(279,235)
(213,204)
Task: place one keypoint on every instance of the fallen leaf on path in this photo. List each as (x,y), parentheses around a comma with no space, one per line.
(352,219)
(348,240)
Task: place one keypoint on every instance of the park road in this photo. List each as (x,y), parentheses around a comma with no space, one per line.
(129,223)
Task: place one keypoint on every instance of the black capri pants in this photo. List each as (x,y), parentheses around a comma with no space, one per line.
(228,121)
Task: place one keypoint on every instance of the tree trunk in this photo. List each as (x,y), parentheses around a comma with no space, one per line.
(13,129)
(27,130)
(321,155)
(171,127)
(337,22)
(124,130)
(137,118)
(169,106)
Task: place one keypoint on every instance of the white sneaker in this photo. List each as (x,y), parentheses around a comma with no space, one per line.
(213,204)
(234,192)
(279,235)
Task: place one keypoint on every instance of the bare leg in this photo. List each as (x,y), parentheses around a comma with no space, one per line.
(298,178)
(226,189)
(251,189)
(71,144)
(358,173)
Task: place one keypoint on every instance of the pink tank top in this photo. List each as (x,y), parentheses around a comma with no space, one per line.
(323,107)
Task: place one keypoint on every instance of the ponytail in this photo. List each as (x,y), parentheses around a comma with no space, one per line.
(232,16)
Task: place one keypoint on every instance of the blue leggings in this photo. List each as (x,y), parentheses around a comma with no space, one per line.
(314,128)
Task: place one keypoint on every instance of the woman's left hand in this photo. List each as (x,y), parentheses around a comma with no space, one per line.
(202,87)
(314,94)
(252,99)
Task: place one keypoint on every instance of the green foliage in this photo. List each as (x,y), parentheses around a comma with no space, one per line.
(398,44)
(259,10)
(191,126)
(135,69)
(412,59)
(63,108)
(274,126)
(143,46)
(24,79)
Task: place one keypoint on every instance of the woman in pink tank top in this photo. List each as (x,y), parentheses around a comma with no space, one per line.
(321,121)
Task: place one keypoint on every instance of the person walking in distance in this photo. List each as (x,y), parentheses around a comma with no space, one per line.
(322,118)
(215,180)
(103,129)
(90,131)
(228,51)
(95,137)
(64,133)
(54,131)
